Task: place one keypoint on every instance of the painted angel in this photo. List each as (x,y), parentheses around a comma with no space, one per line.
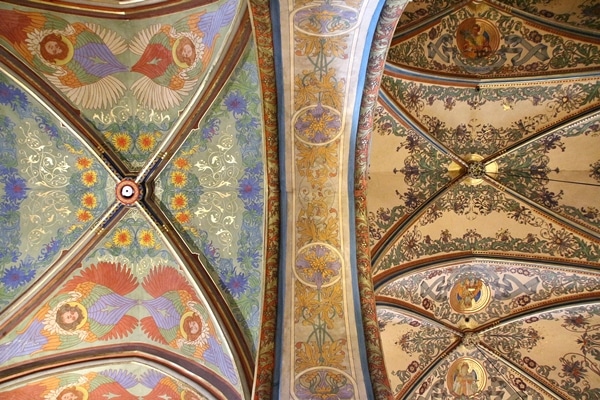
(78,59)
(178,319)
(91,306)
(165,387)
(94,385)
(172,57)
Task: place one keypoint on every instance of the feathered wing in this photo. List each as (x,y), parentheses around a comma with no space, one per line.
(163,83)
(103,288)
(88,78)
(16,27)
(171,292)
(209,24)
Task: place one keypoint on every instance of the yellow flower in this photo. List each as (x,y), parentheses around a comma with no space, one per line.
(84,215)
(89,178)
(178,179)
(122,238)
(182,163)
(183,217)
(179,201)
(146,238)
(121,141)
(89,200)
(146,141)
(83,163)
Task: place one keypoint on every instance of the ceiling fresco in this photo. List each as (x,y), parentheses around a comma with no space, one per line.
(484,222)
(232,200)
(132,169)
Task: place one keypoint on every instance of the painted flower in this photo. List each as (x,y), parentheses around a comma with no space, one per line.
(15,188)
(573,369)
(89,200)
(121,141)
(83,163)
(14,277)
(568,98)
(237,284)
(235,103)
(183,217)
(318,265)
(179,201)
(146,141)
(249,188)
(182,163)
(324,385)
(318,124)
(146,238)
(89,178)
(122,237)
(561,242)
(576,321)
(12,96)
(178,179)
(595,170)
(84,215)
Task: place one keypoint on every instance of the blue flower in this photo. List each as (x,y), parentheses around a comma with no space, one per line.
(235,103)
(237,284)
(14,277)
(12,96)
(249,188)
(16,188)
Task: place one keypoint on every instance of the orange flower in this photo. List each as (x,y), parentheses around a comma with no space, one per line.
(83,163)
(182,163)
(121,141)
(178,179)
(179,201)
(146,141)
(122,238)
(84,215)
(89,200)
(89,178)
(183,217)
(146,238)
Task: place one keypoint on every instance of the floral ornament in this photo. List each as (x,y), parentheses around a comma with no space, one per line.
(561,242)
(318,265)
(318,124)
(323,384)
(595,170)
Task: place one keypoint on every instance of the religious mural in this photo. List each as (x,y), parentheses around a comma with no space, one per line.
(127,381)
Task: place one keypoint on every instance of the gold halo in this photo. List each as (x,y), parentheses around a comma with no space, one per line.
(183,318)
(179,63)
(70,52)
(83,392)
(83,312)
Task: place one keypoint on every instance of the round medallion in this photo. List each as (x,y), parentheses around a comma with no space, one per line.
(317,124)
(477,38)
(466,377)
(318,265)
(469,295)
(128,192)
(325,19)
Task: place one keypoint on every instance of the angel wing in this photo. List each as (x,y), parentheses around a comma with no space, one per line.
(78,59)
(103,288)
(209,25)
(169,63)
(171,292)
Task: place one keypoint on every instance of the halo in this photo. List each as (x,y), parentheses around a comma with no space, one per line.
(181,321)
(179,63)
(70,52)
(83,312)
(83,391)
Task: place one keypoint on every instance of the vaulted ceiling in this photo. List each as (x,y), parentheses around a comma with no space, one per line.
(153,204)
